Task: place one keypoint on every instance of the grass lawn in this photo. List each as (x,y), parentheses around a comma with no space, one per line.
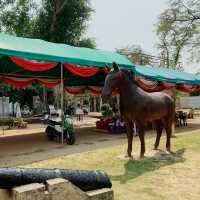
(158,176)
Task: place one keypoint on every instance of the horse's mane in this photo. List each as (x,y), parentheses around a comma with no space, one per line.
(130,75)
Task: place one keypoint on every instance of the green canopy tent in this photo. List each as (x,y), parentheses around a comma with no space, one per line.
(73,65)
(80,58)
(58,54)
(35,49)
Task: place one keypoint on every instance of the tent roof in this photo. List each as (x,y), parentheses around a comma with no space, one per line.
(36,49)
(167,74)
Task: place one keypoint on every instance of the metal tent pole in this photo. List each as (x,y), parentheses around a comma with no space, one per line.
(135,130)
(2,114)
(3,107)
(44,102)
(62,103)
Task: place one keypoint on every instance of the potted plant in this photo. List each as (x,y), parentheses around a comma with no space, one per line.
(106,110)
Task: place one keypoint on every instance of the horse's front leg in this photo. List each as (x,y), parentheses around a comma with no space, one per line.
(129,134)
(142,141)
(159,128)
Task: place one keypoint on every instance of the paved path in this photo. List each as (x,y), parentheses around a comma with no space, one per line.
(33,145)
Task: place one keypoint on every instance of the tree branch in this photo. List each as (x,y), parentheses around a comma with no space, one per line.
(190,12)
(61,7)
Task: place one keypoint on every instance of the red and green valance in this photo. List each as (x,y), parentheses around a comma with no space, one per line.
(21,82)
(33,65)
(34,71)
(37,66)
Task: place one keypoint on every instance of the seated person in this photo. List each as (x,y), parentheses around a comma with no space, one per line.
(120,128)
(118,125)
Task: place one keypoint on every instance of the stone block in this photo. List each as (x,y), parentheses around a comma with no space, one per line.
(61,189)
(55,189)
(5,194)
(102,194)
(33,191)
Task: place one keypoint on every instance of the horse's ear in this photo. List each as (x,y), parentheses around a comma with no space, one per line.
(107,69)
(115,66)
(131,75)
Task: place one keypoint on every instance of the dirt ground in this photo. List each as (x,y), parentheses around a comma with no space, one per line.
(23,146)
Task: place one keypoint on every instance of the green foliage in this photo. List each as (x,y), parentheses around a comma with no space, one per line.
(195,93)
(87,42)
(135,54)
(56,21)
(106,110)
(6,121)
(17,17)
(177,28)
(22,95)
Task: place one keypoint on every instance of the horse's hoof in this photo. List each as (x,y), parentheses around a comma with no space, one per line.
(130,157)
(142,157)
(173,136)
(169,152)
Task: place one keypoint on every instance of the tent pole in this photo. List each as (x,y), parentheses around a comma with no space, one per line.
(135,130)
(3,107)
(62,103)
(2,114)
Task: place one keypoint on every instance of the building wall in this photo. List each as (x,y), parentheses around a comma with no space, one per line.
(190,102)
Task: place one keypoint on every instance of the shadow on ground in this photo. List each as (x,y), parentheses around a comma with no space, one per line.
(191,127)
(136,168)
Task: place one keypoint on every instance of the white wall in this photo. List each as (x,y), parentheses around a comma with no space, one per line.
(4,106)
(190,102)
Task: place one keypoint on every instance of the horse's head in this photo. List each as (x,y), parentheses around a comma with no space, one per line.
(115,80)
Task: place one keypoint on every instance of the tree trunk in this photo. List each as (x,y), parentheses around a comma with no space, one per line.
(59,6)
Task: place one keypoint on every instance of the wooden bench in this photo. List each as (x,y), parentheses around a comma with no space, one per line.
(19,122)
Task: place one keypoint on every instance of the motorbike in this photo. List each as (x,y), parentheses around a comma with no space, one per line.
(54,129)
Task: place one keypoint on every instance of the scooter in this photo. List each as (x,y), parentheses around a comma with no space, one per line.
(54,129)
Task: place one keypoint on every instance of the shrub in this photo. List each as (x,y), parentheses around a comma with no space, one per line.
(106,110)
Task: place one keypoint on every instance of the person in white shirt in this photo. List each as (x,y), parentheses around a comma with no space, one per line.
(79,113)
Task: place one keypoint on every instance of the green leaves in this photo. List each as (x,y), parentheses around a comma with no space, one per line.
(177,28)
(56,21)
(106,110)
(136,55)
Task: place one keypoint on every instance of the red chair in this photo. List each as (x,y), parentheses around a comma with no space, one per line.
(104,124)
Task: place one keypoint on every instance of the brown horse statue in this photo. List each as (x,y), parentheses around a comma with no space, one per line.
(139,107)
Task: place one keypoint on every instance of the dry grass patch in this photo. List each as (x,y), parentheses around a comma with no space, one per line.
(158,177)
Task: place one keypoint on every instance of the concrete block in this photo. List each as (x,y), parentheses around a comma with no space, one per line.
(33,191)
(55,189)
(60,189)
(5,194)
(102,194)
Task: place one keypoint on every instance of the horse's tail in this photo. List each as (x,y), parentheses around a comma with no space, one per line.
(173,117)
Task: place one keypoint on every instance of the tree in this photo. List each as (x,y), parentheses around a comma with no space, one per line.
(177,27)
(87,42)
(135,54)
(63,21)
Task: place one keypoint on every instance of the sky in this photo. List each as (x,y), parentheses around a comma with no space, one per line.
(118,23)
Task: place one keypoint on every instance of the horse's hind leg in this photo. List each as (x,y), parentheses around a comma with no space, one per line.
(141,136)
(159,128)
(168,128)
(129,134)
